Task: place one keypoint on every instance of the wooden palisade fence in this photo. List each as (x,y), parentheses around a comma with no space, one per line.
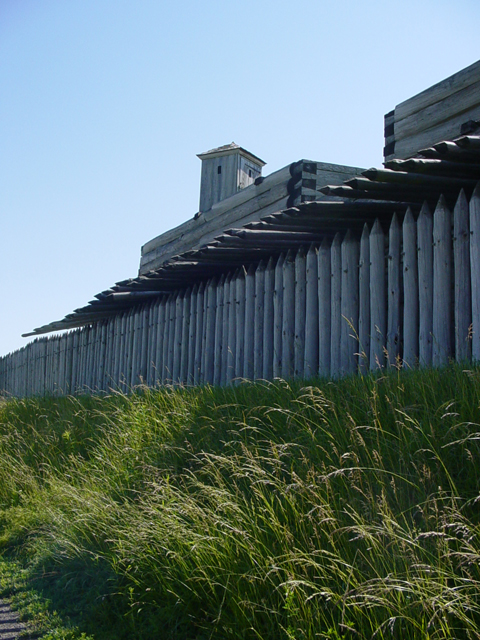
(401,296)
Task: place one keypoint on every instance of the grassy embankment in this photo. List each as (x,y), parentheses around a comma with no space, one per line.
(340,510)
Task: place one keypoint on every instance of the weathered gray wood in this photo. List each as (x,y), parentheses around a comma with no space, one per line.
(184,350)
(258,322)
(300,313)
(204,334)
(442,284)
(226,319)
(474,209)
(336,299)
(462,278)
(350,254)
(161,333)
(288,320)
(311,314)
(268,321)
(210,332)
(278,317)
(218,346)
(192,335)
(177,345)
(364,301)
(166,374)
(249,335)
(425,284)
(324,308)
(232,329)
(394,293)
(378,302)
(410,291)
(240,323)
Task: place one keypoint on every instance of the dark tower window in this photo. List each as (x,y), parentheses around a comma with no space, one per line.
(219,169)
(249,173)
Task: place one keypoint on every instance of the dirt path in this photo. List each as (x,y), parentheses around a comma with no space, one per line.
(10,626)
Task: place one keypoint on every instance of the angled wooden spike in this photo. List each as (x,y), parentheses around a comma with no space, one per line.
(442,284)
(475,269)
(410,290)
(462,279)
(425,284)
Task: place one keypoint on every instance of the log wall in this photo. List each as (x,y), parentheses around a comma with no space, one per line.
(398,296)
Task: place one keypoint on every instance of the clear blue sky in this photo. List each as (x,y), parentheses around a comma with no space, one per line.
(104,105)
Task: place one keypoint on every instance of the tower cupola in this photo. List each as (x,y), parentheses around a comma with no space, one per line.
(225,171)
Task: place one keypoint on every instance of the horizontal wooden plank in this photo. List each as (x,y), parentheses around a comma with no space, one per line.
(440,91)
(427,118)
(447,130)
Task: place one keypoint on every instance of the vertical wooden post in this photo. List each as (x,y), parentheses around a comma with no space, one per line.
(336,306)
(249,328)
(410,291)
(393,297)
(258,323)
(442,284)
(350,253)
(161,327)
(177,343)
(172,337)
(268,321)
(210,331)
(475,269)
(192,335)
(462,278)
(288,328)
(218,343)
(184,349)
(324,308)
(240,323)
(278,317)
(425,284)
(364,300)
(232,329)
(378,311)
(166,374)
(226,319)
(311,314)
(199,334)
(300,313)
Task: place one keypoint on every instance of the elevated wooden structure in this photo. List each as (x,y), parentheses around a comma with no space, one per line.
(376,271)
(445,111)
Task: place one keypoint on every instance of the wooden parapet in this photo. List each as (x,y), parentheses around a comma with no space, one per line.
(445,111)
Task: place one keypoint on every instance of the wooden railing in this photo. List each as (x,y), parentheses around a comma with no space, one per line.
(406,296)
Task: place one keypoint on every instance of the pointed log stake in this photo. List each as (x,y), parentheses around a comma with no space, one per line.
(425,284)
(268,325)
(300,309)
(364,300)
(258,323)
(378,310)
(324,308)
(410,289)
(288,326)
(442,284)
(226,321)
(462,278)
(218,343)
(336,310)
(311,314)
(350,253)
(232,329)
(475,269)
(278,318)
(249,330)
(240,323)
(393,298)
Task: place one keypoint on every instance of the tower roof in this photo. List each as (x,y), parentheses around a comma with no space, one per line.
(227,149)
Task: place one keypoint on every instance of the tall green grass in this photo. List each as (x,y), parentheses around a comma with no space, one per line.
(344,509)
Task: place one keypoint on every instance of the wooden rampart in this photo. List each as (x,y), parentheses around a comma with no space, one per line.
(404,296)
